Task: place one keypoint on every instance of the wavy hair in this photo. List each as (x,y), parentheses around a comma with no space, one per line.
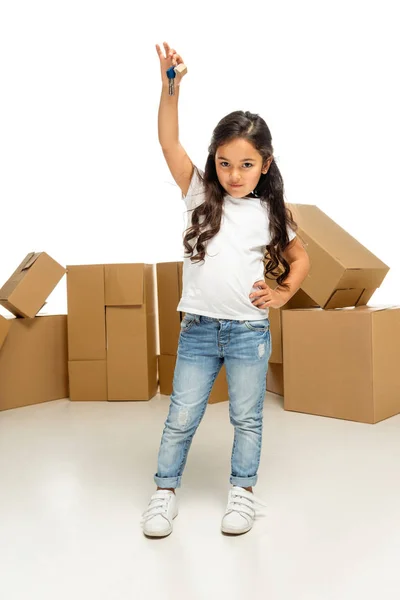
(206,218)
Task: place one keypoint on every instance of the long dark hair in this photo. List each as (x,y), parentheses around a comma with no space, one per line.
(206,218)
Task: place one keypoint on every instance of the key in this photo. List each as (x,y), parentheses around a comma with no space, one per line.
(171,83)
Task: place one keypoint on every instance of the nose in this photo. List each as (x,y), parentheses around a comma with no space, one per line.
(235,177)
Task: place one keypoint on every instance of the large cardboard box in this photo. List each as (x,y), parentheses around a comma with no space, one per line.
(33,361)
(86,312)
(87,380)
(29,286)
(343,272)
(166,367)
(131,354)
(342,363)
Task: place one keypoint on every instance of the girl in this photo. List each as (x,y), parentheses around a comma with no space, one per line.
(239,231)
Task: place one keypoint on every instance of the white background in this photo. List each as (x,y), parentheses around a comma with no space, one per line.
(82,176)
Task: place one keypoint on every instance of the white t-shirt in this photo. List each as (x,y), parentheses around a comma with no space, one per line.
(220,285)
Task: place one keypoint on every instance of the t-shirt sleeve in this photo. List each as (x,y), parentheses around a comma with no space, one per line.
(195,193)
(292,234)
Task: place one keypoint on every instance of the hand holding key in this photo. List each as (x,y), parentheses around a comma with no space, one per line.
(172,67)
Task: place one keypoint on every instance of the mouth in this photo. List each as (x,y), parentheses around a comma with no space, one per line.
(235,185)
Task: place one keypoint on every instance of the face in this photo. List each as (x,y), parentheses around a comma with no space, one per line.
(239,167)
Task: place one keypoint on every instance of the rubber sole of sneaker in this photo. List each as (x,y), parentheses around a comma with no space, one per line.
(160,534)
(229,531)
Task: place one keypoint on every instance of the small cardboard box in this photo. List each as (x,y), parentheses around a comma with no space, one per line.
(87,380)
(166,368)
(33,362)
(29,286)
(342,363)
(86,312)
(343,272)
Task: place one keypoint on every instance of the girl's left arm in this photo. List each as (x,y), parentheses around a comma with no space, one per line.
(299,262)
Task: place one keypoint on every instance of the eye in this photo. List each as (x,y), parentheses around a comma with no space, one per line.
(249,165)
(223,163)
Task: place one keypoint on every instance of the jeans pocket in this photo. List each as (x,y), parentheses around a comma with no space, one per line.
(262,325)
(187,321)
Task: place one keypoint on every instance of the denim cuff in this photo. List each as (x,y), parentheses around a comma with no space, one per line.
(244,481)
(167,482)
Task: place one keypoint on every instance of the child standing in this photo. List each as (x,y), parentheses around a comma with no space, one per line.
(238,231)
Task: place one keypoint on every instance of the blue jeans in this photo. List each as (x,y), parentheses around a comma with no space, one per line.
(205,344)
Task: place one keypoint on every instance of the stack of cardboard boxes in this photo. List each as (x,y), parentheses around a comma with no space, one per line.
(332,354)
(33,350)
(112,332)
(338,359)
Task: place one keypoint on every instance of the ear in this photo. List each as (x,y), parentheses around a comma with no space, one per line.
(267,165)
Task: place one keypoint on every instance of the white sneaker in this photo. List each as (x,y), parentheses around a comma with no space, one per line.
(240,512)
(162,509)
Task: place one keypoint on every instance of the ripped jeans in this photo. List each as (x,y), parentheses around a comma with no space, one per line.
(205,344)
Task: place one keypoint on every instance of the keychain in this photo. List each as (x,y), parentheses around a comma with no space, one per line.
(171,74)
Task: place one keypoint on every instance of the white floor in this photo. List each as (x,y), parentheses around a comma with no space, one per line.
(75,478)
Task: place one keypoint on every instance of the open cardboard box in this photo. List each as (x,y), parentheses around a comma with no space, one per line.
(26,291)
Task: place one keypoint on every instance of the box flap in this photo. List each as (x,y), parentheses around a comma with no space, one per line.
(343,298)
(30,260)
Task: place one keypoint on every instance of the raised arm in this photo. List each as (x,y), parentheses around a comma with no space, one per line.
(178,161)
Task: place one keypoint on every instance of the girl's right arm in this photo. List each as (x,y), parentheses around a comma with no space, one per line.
(178,161)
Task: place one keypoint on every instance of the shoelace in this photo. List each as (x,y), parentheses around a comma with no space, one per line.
(244,502)
(158,505)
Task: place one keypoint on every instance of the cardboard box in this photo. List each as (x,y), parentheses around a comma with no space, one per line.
(166,368)
(343,272)
(5,325)
(86,312)
(169,286)
(33,362)
(131,353)
(342,363)
(29,286)
(275,378)
(87,380)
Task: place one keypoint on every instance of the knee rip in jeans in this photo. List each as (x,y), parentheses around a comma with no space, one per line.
(261,350)
(183,417)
